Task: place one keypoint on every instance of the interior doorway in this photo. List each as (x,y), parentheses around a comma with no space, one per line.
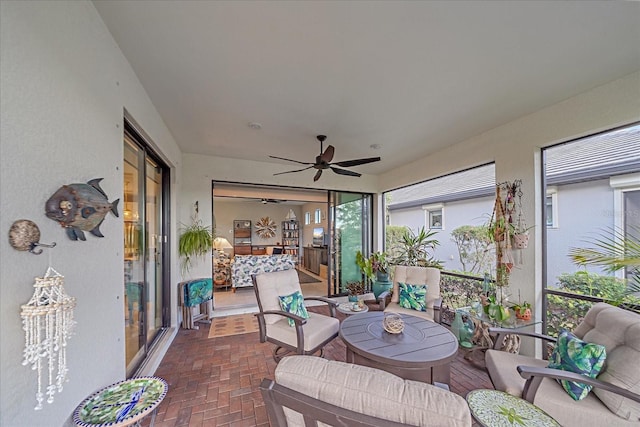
(298,222)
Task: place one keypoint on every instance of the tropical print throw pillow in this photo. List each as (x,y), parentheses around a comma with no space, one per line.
(294,304)
(574,355)
(413,297)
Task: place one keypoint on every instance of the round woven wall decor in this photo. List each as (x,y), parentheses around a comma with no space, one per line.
(266,228)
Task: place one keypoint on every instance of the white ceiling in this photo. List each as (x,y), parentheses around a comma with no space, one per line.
(413,77)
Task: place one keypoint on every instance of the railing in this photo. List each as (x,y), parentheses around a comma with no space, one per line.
(565,310)
(458,290)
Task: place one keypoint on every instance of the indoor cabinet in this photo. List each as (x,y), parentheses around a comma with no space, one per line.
(313,258)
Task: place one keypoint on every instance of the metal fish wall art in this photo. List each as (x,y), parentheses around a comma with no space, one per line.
(80,207)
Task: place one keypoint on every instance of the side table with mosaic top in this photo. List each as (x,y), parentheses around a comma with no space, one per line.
(122,404)
(493,408)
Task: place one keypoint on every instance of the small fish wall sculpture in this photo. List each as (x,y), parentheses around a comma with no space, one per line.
(79,207)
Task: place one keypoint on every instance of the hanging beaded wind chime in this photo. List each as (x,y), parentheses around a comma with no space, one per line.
(47,320)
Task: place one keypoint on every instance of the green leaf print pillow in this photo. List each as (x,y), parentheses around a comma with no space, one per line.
(574,355)
(413,297)
(294,304)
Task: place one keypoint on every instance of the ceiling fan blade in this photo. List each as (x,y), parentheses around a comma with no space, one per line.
(297,170)
(291,160)
(356,162)
(344,172)
(327,156)
(317,176)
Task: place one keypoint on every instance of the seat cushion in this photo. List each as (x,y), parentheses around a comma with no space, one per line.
(550,397)
(395,308)
(619,331)
(589,411)
(317,330)
(370,391)
(271,286)
(502,367)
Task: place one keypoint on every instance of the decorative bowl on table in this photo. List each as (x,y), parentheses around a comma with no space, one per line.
(393,323)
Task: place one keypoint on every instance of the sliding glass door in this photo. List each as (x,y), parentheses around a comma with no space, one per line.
(144,242)
(350,224)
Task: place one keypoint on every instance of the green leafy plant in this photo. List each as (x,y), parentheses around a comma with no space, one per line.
(416,249)
(613,250)
(195,240)
(566,312)
(473,245)
(376,262)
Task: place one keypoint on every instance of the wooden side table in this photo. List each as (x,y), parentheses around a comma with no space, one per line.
(121,404)
(493,408)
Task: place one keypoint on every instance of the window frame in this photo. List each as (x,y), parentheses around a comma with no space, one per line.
(429,211)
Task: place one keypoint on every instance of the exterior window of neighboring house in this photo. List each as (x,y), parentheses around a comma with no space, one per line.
(318,216)
(598,177)
(551,210)
(434,216)
(307,218)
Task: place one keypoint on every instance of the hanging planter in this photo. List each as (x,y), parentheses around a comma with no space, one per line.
(521,240)
(195,241)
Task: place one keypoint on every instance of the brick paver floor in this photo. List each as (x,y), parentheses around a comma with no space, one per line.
(214,382)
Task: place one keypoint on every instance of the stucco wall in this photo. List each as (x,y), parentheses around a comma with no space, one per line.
(64,86)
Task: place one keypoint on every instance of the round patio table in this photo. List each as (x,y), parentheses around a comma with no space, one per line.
(494,408)
(422,351)
(121,404)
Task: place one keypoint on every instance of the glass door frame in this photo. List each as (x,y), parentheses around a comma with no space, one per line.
(133,136)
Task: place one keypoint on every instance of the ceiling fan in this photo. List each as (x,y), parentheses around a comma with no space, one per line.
(323,161)
(265,201)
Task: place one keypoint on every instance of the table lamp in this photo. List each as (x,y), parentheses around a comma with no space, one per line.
(220,243)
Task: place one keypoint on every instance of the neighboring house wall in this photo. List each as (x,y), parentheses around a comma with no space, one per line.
(458,213)
(584,210)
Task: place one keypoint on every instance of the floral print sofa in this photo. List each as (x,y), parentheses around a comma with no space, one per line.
(243,266)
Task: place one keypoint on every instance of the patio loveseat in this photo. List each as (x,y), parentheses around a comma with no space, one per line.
(338,393)
(615,398)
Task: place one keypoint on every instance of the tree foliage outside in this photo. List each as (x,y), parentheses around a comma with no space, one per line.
(567,313)
(393,236)
(474,248)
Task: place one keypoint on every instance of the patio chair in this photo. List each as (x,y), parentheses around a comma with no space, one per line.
(307,335)
(615,397)
(412,275)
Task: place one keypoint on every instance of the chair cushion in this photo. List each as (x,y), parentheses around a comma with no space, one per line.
(395,308)
(619,331)
(417,275)
(370,391)
(271,285)
(503,369)
(550,396)
(294,304)
(574,355)
(413,297)
(317,330)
